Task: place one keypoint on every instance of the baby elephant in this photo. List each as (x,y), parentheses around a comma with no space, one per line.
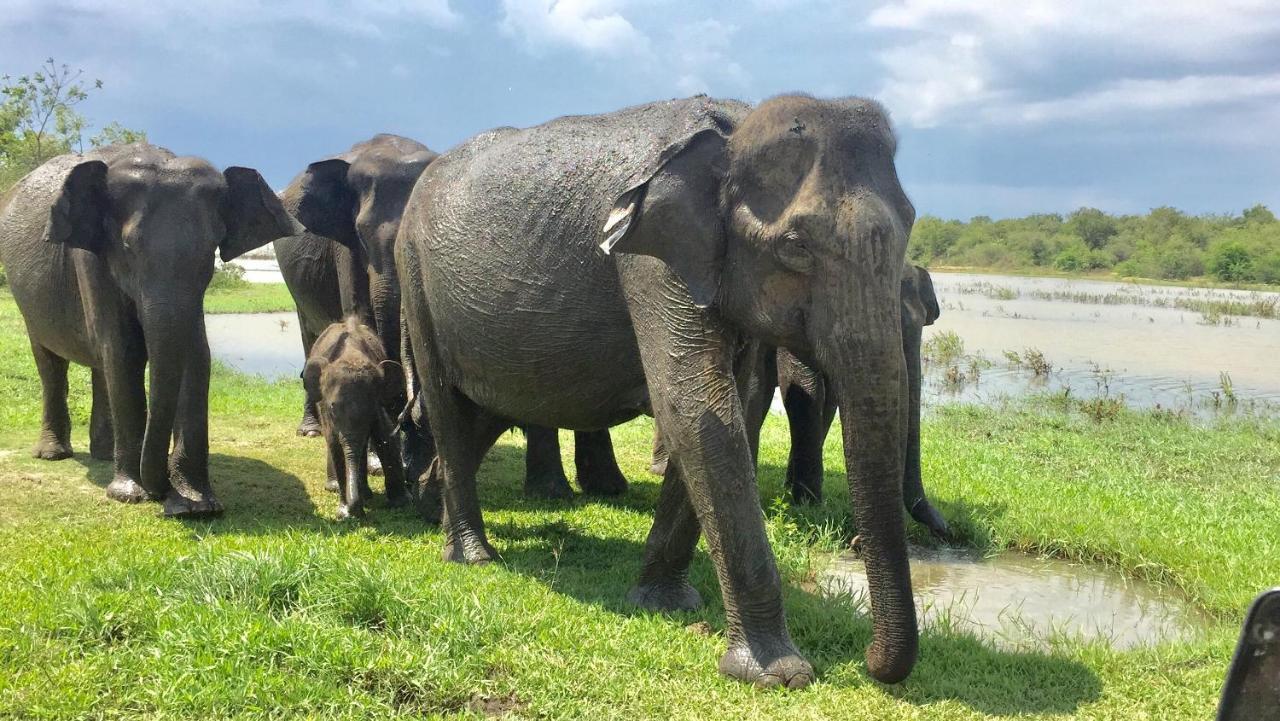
(350,381)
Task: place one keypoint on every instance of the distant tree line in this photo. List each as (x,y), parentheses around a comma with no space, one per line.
(1165,243)
(39,119)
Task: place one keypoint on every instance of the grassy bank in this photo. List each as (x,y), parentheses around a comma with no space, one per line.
(249,298)
(110,611)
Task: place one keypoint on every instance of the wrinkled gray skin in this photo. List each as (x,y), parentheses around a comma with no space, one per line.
(108,255)
(351,205)
(811,408)
(352,385)
(785,223)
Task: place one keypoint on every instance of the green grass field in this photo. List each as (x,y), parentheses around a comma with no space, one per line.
(247,297)
(275,610)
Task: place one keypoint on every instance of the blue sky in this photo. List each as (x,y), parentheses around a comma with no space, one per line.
(1004,108)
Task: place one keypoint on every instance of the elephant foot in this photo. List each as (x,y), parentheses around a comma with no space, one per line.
(776,664)
(430,501)
(375,465)
(608,482)
(925,514)
(189,503)
(805,491)
(102,450)
(51,449)
(665,597)
(309,427)
(658,467)
(126,490)
(350,511)
(398,498)
(549,486)
(331,485)
(470,550)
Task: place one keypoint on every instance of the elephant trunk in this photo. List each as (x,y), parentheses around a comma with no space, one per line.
(355,453)
(861,354)
(168,328)
(873,422)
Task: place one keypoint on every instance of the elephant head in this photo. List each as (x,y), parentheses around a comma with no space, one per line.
(919,302)
(790,222)
(157,220)
(356,199)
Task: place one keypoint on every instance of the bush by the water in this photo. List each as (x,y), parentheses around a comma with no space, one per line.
(227,276)
(1165,243)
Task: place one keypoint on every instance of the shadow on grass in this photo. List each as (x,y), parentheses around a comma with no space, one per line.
(830,631)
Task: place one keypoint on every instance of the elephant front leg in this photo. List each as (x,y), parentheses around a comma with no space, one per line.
(387,446)
(123,371)
(190,493)
(805,399)
(689,364)
(543,472)
(664,578)
(55,423)
(101,435)
(597,467)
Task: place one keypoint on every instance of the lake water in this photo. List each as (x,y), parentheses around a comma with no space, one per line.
(1126,340)
(1021,601)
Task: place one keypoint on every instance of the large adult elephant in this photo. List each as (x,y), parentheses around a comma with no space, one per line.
(108,255)
(580,272)
(811,407)
(351,205)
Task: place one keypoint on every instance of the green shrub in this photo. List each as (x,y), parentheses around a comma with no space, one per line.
(1230,261)
(228,276)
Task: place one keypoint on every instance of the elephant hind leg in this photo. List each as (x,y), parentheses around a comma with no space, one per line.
(543,471)
(464,434)
(102,442)
(55,425)
(598,472)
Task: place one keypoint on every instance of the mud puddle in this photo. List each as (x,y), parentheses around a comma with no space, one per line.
(1021,601)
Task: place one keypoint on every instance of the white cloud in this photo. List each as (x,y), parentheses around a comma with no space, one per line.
(1153,95)
(593,26)
(362,17)
(994,61)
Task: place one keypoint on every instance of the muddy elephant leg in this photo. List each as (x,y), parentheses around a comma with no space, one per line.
(55,423)
(696,401)
(543,472)
(309,427)
(387,446)
(664,577)
(805,396)
(190,493)
(124,370)
(913,495)
(659,458)
(101,436)
(597,467)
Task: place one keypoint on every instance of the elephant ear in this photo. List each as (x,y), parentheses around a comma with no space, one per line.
(924,287)
(327,203)
(253,214)
(673,214)
(77,215)
(919,304)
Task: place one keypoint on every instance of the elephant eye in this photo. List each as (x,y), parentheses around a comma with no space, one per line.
(794,252)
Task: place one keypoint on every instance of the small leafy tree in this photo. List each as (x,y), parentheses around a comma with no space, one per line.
(1230,261)
(39,119)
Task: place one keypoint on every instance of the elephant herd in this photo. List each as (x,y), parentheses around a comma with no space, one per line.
(681,259)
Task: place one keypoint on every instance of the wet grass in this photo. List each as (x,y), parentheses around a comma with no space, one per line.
(275,610)
(1210,302)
